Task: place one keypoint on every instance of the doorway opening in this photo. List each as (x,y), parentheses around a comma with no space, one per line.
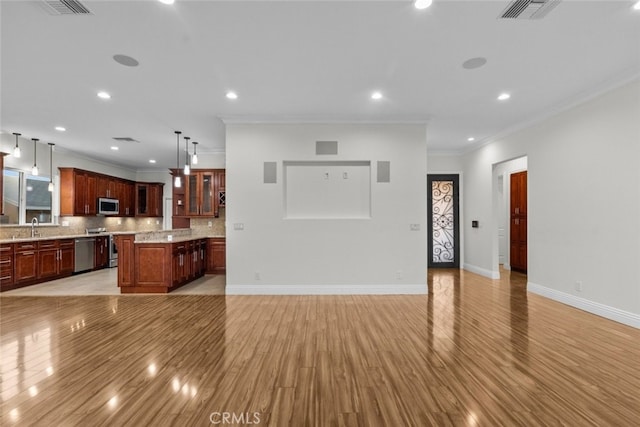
(444,225)
(510,178)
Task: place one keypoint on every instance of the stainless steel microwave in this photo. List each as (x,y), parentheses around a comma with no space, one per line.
(108,206)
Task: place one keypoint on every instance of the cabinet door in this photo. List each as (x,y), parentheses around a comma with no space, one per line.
(207,193)
(142,200)
(26,266)
(155,200)
(92,194)
(192,194)
(66,259)
(216,256)
(47,263)
(80,193)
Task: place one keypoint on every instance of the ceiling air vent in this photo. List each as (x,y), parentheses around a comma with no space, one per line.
(124,139)
(528,9)
(66,7)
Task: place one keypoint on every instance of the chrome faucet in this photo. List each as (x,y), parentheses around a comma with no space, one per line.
(34,224)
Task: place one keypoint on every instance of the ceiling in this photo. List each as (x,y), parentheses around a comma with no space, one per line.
(298,61)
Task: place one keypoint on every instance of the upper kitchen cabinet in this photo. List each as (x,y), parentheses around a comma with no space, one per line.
(108,187)
(149,199)
(127,197)
(78,192)
(220,185)
(199,193)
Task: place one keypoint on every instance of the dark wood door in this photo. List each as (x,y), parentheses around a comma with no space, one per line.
(67,252)
(48,263)
(518,222)
(80,194)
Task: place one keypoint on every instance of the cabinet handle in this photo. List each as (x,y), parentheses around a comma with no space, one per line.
(5,277)
(26,253)
(5,262)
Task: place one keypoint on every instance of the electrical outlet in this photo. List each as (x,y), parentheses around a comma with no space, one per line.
(414,227)
(579,285)
(257,276)
(326,175)
(65,223)
(399,274)
(210,224)
(345,175)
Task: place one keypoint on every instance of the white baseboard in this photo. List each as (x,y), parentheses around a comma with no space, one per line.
(482,271)
(405,289)
(592,307)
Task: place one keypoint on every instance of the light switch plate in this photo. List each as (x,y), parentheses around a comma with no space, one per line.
(414,227)
(238,226)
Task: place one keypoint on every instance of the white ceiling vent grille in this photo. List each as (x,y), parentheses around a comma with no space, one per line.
(66,7)
(528,9)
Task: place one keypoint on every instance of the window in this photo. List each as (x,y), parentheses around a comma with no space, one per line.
(26,197)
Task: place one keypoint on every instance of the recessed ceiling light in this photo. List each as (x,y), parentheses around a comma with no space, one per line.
(115,147)
(376,95)
(504,96)
(166,1)
(152,161)
(636,6)
(471,139)
(104,95)
(60,129)
(231,95)
(422,4)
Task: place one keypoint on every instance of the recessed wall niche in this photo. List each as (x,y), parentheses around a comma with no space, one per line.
(327,189)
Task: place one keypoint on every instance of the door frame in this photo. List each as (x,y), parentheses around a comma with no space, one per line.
(456,220)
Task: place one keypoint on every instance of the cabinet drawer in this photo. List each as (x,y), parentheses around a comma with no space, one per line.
(66,243)
(26,246)
(47,244)
(6,248)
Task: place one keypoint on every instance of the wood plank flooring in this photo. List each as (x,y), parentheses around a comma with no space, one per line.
(473,352)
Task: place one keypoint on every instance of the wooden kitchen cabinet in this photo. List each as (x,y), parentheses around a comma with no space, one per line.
(107,187)
(101,257)
(26,263)
(48,253)
(66,260)
(78,192)
(126,260)
(127,197)
(220,190)
(6,267)
(216,255)
(199,193)
(149,199)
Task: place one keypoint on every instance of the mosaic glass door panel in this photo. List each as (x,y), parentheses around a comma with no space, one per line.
(443,231)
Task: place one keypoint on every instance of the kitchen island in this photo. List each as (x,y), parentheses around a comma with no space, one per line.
(162,261)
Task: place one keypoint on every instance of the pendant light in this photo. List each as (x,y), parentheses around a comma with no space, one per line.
(187,169)
(16,151)
(34,169)
(51,144)
(177,182)
(194,158)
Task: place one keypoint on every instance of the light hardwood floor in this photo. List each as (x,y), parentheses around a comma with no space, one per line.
(473,352)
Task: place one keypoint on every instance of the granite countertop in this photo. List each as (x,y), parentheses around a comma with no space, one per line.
(75,236)
(177,239)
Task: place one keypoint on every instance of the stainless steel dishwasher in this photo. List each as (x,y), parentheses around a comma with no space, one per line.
(85,248)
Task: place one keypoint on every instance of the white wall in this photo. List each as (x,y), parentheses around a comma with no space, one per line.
(277,255)
(584,203)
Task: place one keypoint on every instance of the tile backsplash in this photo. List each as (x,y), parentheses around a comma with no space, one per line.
(78,225)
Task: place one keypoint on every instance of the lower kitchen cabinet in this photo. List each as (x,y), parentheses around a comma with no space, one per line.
(217,255)
(159,267)
(28,263)
(101,257)
(7,279)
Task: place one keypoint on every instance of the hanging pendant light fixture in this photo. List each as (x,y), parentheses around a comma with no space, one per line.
(34,169)
(194,158)
(177,182)
(51,144)
(187,168)
(16,151)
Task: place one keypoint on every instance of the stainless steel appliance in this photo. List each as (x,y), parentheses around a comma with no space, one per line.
(85,248)
(108,206)
(113,251)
